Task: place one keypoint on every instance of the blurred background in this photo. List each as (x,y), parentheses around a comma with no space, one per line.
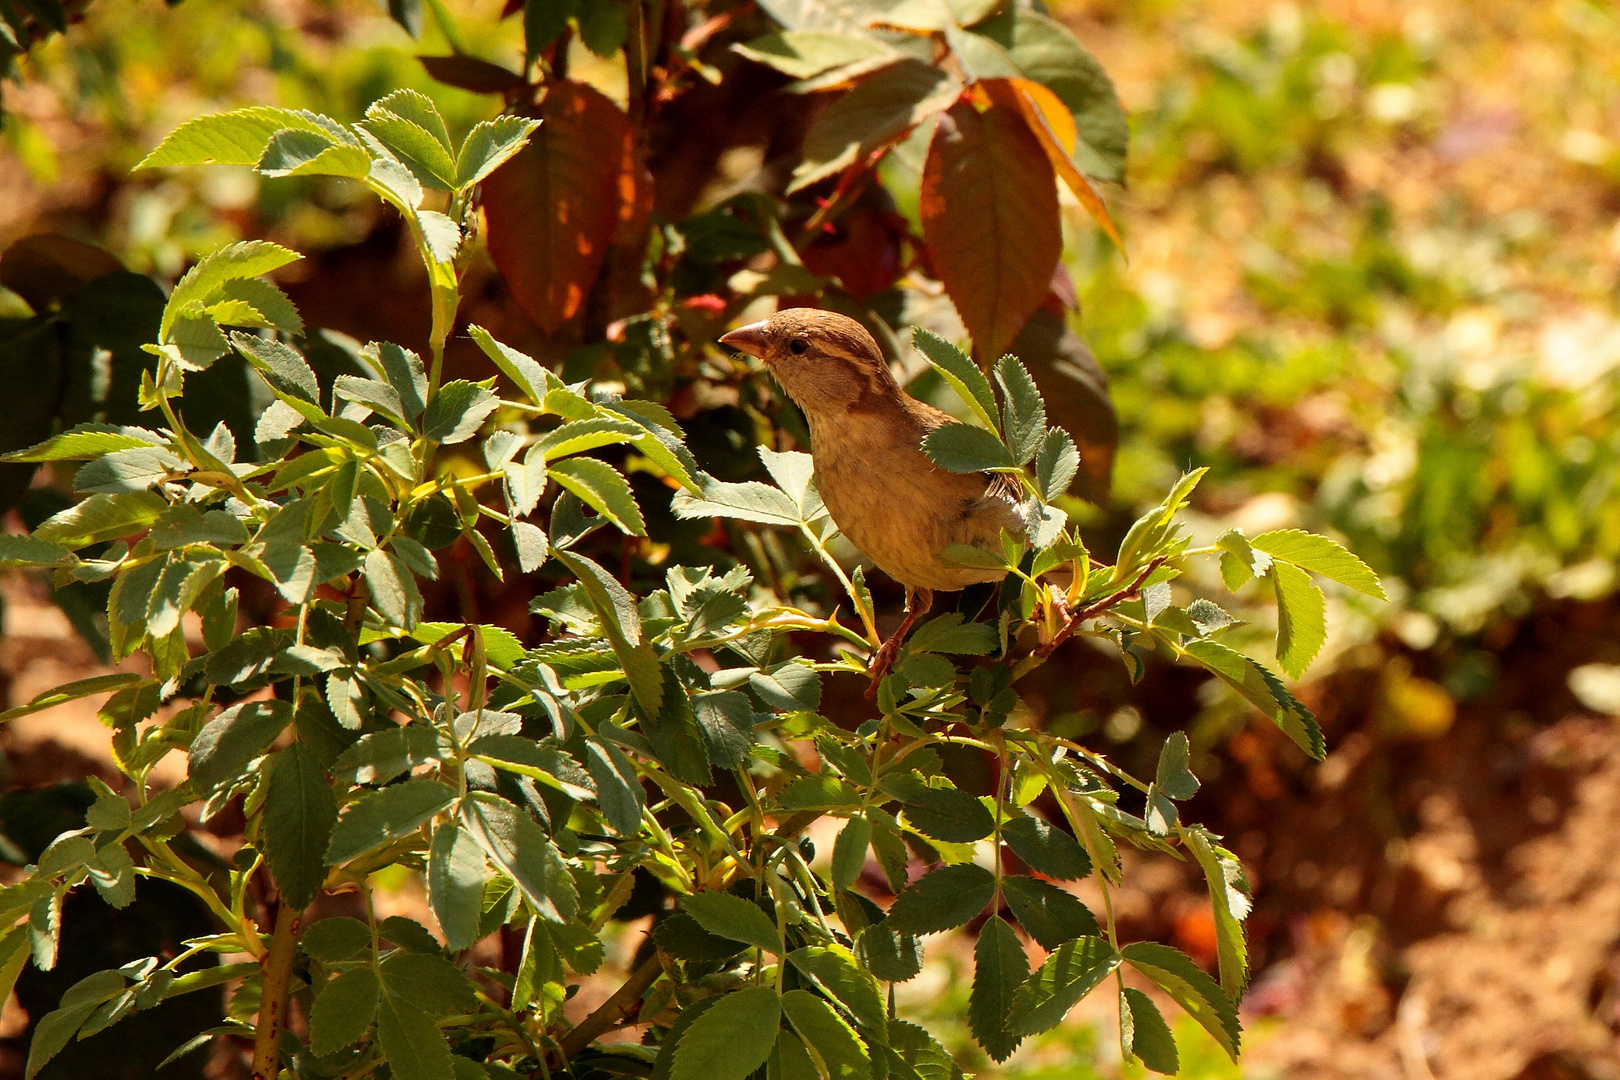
(1374,262)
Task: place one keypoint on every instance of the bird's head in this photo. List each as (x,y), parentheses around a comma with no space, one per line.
(827,362)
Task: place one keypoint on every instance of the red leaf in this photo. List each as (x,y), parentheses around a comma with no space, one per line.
(990,220)
(554,208)
(472,74)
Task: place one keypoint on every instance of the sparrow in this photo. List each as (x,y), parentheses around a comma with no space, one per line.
(897,507)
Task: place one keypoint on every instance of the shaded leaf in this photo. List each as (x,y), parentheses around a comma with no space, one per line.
(1144,1034)
(730,1039)
(1192,989)
(1071,972)
(942,899)
(298,814)
(382,816)
(343,1011)
(999,967)
(730,916)
(880,110)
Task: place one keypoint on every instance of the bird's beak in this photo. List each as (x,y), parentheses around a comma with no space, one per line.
(750,339)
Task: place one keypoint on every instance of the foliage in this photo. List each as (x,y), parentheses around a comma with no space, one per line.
(662,731)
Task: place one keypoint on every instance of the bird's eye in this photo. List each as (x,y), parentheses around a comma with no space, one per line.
(798,346)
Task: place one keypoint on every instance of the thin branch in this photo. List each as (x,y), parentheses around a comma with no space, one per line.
(626,1000)
(277,967)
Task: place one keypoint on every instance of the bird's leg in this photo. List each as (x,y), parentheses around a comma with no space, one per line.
(918,601)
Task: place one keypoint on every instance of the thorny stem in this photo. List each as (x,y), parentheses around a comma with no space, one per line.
(624,1002)
(1090,611)
(277,967)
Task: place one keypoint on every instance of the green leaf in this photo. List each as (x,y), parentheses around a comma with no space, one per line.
(1208,618)
(1240,562)
(20,551)
(313,153)
(727,723)
(603,488)
(1151,530)
(803,53)
(889,956)
(456,412)
(1173,777)
(282,368)
(488,145)
(1046,848)
(977,558)
(963,448)
(377,396)
(942,813)
(881,109)
(457,872)
(380,756)
(225,745)
(733,917)
(336,939)
(833,969)
(1071,972)
(1264,690)
(57,1027)
(1191,988)
(416,1048)
(524,853)
(382,816)
(618,789)
(393,589)
(943,899)
(1301,618)
(530,378)
(1047,913)
(621,622)
(963,375)
(1056,463)
(100,518)
(230,138)
(1322,556)
(343,1011)
(232,262)
(913,1051)
(949,634)
(1144,1034)
(84,441)
(81,688)
(1229,894)
(731,1039)
(526,757)
(999,968)
(423,153)
(298,814)
(751,501)
(849,852)
(819,792)
(1024,413)
(790,1060)
(431,983)
(841,1051)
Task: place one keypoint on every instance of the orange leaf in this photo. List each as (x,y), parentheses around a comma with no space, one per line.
(1053,125)
(555,207)
(990,220)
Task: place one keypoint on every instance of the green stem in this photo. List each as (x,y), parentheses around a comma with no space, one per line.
(277,967)
(448,27)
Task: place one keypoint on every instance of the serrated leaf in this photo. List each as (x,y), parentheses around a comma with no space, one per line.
(621,621)
(1056,463)
(1264,690)
(457,411)
(803,53)
(942,813)
(85,441)
(963,375)
(100,518)
(1072,971)
(282,368)
(1173,777)
(964,448)
(1047,913)
(523,851)
(733,917)
(230,138)
(603,488)
(420,150)
(488,145)
(1322,556)
(1023,411)
(842,1053)
(225,745)
(343,1011)
(295,152)
(382,816)
(80,688)
(849,852)
(382,755)
(999,968)
(731,1038)
(457,872)
(618,789)
(415,1047)
(949,634)
(393,589)
(1144,1034)
(298,814)
(1047,849)
(1207,617)
(751,501)
(1228,892)
(1240,562)
(430,982)
(1301,618)
(1192,989)
(942,899)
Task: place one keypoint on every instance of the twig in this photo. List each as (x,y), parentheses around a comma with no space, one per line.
(277,967)
(625,1000)
(1090,611)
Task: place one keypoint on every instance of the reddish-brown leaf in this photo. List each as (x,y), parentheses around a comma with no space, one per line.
(990,220)
(1053,124)
(553,209)
(472,74)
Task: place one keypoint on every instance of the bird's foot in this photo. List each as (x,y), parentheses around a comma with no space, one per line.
(881,662)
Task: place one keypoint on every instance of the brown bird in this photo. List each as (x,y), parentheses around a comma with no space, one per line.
(896,506)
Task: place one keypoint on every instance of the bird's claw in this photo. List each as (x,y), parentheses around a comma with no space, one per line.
(882,661)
